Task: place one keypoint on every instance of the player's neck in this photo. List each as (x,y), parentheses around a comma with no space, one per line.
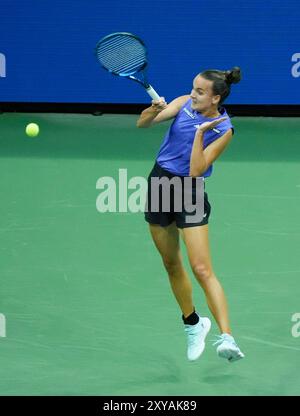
(211,113)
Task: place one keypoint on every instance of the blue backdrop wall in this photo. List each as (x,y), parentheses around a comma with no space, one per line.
(47,48)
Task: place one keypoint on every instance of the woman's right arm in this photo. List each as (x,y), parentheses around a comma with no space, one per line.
(161,111)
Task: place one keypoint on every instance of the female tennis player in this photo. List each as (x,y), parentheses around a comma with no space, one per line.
(200,132)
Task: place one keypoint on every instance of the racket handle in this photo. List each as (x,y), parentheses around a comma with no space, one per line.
(153,94)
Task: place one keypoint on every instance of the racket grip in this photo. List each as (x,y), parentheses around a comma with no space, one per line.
(153,94)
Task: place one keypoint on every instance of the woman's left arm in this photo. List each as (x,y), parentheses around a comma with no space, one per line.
(202,159)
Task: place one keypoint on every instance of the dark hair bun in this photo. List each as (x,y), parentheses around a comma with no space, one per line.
(233,76)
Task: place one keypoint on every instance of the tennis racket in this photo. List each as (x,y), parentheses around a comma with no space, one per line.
(125,54)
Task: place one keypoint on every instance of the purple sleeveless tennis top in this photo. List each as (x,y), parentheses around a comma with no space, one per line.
(175,151)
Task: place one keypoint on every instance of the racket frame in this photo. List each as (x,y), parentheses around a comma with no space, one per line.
(143,69)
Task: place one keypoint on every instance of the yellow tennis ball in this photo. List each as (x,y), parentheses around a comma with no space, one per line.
(32,129)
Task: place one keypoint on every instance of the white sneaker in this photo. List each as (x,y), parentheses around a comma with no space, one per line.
(227,348)
(196,335)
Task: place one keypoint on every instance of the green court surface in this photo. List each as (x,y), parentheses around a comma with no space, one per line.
(86,300)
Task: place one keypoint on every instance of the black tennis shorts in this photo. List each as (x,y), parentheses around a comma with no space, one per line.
(166,218)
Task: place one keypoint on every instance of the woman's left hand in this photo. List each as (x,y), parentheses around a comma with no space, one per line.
(208,125)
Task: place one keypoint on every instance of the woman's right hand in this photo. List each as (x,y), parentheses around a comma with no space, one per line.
(159,105)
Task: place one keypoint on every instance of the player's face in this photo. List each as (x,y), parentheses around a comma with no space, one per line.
(202,95)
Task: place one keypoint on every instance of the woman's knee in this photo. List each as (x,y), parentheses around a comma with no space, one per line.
(202,272)
(172,265)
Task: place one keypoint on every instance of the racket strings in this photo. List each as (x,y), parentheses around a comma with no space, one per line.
(122,63)
(122,54)
(120,60)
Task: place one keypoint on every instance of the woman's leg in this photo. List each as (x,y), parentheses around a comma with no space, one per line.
(166,240)
(197,244)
